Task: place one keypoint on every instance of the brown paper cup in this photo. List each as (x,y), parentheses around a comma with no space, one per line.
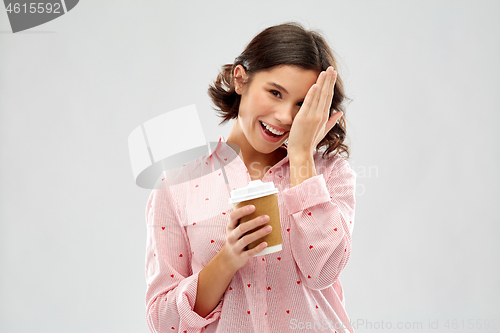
(267,205)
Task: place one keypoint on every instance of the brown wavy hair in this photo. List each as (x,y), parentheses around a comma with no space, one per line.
(284,44)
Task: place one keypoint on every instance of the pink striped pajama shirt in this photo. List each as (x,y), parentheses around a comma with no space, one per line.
(296,289)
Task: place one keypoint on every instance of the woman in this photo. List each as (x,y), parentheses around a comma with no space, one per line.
(285,97)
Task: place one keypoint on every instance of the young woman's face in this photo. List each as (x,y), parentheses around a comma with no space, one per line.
(273,97)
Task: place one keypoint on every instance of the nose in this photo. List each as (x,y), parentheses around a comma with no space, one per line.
(285,115)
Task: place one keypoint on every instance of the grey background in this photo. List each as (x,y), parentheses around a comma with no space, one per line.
(424,77)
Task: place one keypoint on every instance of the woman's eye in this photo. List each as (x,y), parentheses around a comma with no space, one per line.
(276,93)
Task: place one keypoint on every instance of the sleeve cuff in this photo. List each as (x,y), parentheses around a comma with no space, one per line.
(309,193)
(187,299)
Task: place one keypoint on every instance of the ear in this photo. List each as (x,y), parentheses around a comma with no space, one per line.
(240,78)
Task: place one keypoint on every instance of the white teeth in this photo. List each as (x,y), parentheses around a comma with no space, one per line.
(272,129)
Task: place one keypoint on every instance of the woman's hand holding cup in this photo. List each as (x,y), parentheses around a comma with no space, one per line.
(233,251)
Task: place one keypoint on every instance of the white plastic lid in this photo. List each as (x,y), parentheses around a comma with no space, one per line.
(255,189)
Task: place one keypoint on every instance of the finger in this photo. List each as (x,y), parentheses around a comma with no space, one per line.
(332,89)
(326,94)
(256,250)
(234,219)
(335,75)
(333,121)
(250,225)
(249,238)
(239,213)
(338,119)
(317,94)
(306,105)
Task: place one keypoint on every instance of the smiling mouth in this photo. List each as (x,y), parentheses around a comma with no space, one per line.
(268,132)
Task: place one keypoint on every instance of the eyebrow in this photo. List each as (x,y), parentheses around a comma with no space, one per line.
(278,86)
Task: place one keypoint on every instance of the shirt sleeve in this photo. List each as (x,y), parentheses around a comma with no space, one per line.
(171,284)
(322,218)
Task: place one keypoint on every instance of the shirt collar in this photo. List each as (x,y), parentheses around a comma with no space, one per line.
(218,147)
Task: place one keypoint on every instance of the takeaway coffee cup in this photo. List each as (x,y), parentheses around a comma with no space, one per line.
(265,199)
